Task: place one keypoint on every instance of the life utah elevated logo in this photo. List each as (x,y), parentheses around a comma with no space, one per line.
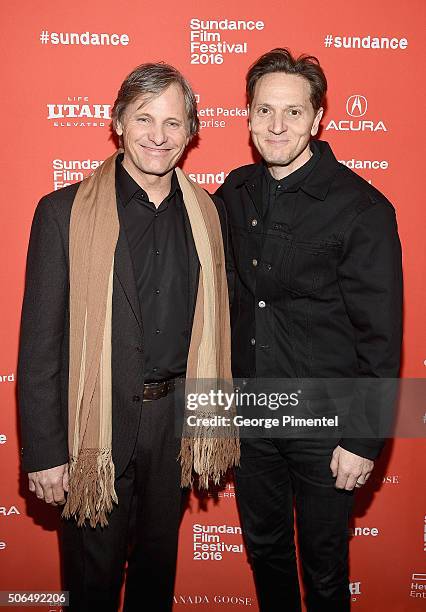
(78,111)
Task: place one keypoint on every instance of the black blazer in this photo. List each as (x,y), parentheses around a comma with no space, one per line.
(44,342)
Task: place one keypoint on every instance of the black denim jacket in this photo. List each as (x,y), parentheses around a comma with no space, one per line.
(316,284)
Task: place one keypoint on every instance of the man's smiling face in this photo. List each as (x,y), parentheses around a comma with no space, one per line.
(155,132)
(282,121)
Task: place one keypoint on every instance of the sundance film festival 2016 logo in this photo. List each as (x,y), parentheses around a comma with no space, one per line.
(365,164)
(356,110)
(76,111)
(206,44)
(68,171)
(208,178)
(210,541)
(363,531)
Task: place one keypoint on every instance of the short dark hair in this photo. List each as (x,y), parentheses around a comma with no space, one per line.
(153,79)
(281,60)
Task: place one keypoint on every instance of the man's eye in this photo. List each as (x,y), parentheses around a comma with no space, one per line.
(142,119)
(294,112)
(263,110)
(173,124)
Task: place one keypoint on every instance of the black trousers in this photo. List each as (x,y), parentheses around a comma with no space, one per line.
(274,474)
(143,528)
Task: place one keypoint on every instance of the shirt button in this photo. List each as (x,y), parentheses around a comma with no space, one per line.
(157,252)
(156,215)
(253,341)
(157,331)
(262,304)
(157,292)
(254,222)
(279,187)
(136,398)
(254,262)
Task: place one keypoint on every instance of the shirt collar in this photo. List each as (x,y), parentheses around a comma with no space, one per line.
(127,188)
(316,183)
(293,181)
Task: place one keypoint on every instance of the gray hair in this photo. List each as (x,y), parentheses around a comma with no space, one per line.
(153,79)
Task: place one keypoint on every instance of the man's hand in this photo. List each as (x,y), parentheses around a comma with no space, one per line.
(50,484)
(350,470)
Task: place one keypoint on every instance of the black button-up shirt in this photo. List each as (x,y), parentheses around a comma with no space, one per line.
(276,192)
(157,238)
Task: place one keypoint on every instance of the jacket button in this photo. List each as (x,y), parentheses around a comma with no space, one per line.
(262,304)
(253,341)
(254,222)
(254,262)
(136,398)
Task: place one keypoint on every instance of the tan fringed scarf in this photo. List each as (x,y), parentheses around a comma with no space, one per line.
(94,230)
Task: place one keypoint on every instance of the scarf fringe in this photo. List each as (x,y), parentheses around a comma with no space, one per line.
(91,489)
(208,457)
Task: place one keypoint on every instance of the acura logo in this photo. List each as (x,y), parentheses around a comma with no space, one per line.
(356,106)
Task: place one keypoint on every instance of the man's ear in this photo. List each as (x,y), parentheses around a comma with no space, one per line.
(118,128)
(249,122)
(315,125)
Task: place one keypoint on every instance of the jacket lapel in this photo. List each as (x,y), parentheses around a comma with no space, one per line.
(123,269)
(253,185)
(193,271)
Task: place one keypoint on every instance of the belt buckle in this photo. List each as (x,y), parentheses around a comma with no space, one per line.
(157,390)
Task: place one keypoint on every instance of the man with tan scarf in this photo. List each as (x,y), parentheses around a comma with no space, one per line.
(125,297)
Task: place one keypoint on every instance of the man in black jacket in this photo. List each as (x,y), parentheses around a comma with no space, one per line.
(155,278)
(316,293)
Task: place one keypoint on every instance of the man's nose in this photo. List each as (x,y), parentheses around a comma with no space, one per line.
(278,124)
(157,134)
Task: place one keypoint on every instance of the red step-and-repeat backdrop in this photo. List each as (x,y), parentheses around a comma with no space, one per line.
(62,64)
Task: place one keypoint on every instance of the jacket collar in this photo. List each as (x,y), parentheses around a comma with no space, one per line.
(127,187)
(318,182)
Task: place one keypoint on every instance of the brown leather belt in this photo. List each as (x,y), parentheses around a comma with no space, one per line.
(157,390)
